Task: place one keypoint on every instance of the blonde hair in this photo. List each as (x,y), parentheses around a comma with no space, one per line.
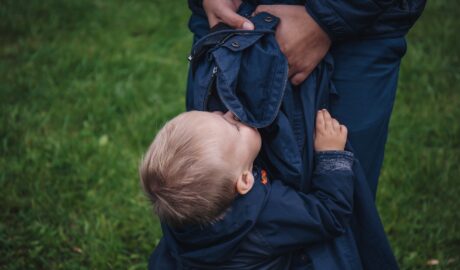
(183,175)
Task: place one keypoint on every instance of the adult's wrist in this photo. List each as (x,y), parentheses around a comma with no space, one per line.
(328,19)
(321,25)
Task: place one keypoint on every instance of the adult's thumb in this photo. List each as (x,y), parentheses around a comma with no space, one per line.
(233,19)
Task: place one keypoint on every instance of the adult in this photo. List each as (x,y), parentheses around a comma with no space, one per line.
(366,40)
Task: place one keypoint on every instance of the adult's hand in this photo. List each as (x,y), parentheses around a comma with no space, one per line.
(300,38)
(225,11)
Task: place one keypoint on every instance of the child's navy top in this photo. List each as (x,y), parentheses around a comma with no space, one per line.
(245,72)
(265,228)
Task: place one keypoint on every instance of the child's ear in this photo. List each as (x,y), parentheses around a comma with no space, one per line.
(245,182)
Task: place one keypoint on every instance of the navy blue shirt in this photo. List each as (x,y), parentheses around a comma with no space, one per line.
(351,19)
(247,74)
(267,227)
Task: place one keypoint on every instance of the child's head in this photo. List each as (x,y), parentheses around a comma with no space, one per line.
(196,165)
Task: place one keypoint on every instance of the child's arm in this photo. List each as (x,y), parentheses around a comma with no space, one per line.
(293,219)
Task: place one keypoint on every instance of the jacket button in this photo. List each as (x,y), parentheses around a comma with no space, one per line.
(268,19)
(235,44)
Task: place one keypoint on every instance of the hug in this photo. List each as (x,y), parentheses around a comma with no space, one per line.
(283,173)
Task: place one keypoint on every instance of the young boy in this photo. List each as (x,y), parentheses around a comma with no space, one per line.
(217,207)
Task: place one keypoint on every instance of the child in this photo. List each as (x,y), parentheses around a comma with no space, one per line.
(221,210)
(246,72)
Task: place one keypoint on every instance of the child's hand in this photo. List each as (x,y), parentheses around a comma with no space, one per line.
(329,134)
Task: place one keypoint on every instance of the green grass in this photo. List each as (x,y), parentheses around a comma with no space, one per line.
(419,192)
(84,86)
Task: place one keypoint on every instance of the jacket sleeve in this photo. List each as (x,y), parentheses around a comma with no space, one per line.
(198,22)
(293,219)
(342,19)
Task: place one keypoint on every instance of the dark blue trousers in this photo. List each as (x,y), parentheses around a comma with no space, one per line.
(365,77)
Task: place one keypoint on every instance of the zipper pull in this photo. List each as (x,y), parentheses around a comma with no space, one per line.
(214,70)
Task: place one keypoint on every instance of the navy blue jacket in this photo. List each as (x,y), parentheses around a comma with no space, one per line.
(245,72)
(265,228)
(351,19)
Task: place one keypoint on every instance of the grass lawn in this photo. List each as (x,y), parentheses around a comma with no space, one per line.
(84,86)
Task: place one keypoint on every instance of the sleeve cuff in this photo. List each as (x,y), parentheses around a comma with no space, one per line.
(327,18)
(315,18)
(327,161)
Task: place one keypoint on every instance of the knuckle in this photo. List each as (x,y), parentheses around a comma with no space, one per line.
(302,76)
(232,21)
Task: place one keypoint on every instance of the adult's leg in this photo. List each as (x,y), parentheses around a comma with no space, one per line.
(366,76)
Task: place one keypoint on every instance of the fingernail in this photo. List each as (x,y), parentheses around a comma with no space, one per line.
(248,26)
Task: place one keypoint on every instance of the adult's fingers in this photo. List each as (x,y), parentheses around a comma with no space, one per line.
(212,20)
(299,74)
(298,78)
(233,19)
(272,9)
(237,3)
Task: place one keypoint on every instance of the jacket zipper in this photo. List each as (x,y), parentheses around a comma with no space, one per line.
(209,90)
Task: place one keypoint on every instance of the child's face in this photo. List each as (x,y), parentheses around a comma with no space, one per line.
(240,143)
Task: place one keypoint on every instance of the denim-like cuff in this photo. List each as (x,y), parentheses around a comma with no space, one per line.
(327,161)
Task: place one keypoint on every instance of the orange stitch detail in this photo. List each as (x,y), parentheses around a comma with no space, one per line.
(264,179)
